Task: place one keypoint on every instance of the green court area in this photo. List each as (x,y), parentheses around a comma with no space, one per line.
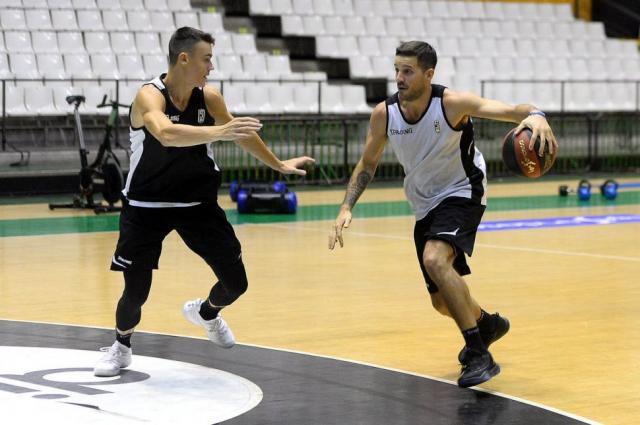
(109,222)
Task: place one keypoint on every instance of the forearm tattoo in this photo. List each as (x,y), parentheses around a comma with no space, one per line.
(356,187)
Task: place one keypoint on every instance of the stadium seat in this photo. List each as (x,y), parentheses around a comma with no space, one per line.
(44,42)
(131,66)
(140,20)
(64,19)
(38,19)
(18,42)
(154,65)
(186,19)
(90,20)
(97,42)
(305,99)
(259,7)
(115,20)
(161,20)
(70,42)
(39,101)
(211,23)
(354,99)
(234,98)
(104,66)
(179,5)
(51,66)
(156,5)
(13,19)
(123,42)
(23,65)
(343,7)
(243,43)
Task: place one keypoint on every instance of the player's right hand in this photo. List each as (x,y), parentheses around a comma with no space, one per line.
(342,222)
(240,128)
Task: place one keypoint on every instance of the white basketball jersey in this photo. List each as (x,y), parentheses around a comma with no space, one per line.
(439,161)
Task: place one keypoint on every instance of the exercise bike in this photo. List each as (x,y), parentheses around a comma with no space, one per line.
(104,173)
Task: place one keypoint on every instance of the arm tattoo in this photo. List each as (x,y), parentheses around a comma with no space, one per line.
(355,188)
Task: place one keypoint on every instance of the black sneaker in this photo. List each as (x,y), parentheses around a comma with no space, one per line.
(500,328)
(480,368)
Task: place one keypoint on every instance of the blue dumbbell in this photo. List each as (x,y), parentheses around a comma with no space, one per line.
(584,190)
(609,189)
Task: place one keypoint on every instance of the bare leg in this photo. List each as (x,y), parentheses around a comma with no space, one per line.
(438,259)
(438,303)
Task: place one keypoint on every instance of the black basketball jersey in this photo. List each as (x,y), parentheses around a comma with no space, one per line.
(173,174)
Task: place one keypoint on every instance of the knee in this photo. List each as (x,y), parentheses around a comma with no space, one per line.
(134,299)
(435,263)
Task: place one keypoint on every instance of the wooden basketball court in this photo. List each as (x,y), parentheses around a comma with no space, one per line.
(571,291)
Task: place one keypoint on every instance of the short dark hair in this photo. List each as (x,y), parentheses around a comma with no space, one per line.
(426,55)
(184,39)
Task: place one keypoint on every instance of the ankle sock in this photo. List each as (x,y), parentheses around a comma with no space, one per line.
(207,311)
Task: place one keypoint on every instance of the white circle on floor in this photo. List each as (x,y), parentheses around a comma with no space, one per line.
(53,385)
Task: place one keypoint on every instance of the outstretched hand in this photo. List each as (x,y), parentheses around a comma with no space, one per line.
(539,129)
(296,165)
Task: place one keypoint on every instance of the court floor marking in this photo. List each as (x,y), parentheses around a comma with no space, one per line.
(506,247)
(445,381)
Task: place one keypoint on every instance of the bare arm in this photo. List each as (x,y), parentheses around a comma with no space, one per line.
(252,143)
(363,172)
(461,105)
(148,111)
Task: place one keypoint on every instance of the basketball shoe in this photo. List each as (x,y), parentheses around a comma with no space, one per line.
(217,329)
(479,368)
(116,357)
(500,328)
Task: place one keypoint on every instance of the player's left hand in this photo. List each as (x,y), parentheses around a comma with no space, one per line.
(296,165)
(539,129)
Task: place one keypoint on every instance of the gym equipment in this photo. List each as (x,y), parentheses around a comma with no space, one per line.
(104,173)
(583,190)
(520,160)
(609,189)
(256,201)
(278,187)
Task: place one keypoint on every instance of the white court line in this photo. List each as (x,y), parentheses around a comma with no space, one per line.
(445,381)
(348,232)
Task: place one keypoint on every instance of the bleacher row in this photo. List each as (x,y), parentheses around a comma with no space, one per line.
(414,8)
(84,40)
(530,44)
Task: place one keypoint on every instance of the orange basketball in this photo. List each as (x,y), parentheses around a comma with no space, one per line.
(520,160)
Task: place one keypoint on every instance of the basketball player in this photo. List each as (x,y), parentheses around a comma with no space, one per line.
(172,185)
(431,132)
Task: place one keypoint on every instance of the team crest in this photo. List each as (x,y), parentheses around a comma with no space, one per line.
(200,116)
(436,126)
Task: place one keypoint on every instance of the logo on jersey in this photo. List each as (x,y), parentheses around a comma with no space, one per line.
(174,118)
(200,116)
(436,126)
(395,132)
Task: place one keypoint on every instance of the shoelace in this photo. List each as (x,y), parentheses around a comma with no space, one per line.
(113,353)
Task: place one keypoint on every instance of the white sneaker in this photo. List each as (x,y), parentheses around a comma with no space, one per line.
(217,329)
(116,357)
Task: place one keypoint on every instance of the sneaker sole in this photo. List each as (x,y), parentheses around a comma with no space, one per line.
(488,374)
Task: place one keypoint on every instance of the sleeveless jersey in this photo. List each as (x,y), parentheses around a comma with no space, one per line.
(439,161)
(161,176)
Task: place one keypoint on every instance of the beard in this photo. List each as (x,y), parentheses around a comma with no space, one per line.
(413,94)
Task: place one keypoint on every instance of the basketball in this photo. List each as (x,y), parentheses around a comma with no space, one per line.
(520,160)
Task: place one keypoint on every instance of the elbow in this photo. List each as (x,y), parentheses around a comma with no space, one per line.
(166,138)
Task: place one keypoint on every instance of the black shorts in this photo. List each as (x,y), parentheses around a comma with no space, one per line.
(204,228)
(455,220)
